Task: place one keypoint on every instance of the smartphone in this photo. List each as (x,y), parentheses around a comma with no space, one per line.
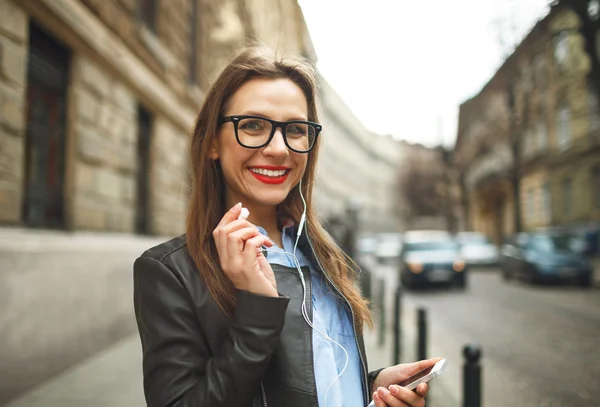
(423,376)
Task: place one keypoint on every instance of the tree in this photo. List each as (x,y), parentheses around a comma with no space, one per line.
(421,186)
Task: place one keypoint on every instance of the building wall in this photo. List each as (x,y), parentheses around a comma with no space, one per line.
(545,85)
(13,77)
(103,126)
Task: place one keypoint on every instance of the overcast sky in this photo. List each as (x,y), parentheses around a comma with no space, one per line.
(404,66)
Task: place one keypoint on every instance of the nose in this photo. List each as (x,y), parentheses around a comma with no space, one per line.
(277,145)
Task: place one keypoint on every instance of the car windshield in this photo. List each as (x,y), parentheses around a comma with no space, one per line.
(557,243)
(432,246)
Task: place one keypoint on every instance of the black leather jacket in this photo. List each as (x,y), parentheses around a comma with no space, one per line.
(193,355)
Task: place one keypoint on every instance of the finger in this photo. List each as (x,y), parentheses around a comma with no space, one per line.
(415,367)
(389,399)
(237,240)
(231,215)
(407,396)
(378,401)
(423,389)
(252,245)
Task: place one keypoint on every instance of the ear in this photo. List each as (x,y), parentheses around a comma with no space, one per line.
(214,152)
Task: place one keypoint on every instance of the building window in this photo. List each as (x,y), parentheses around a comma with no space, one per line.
(568,197)
(530,206)
(596,186)
(45,141)
(563,128)
(561,49)
(193,66)
(542,135)
(142,221)
(147,12)
(546,199)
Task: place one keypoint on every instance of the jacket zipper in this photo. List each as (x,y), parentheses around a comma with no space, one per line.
(364,368)
(264,396)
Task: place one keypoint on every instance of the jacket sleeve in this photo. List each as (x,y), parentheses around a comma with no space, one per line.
(370,380)
(177,365)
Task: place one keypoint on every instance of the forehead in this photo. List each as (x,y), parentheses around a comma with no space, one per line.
(276,98)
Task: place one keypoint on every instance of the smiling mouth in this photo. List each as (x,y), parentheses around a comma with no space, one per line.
(270,176)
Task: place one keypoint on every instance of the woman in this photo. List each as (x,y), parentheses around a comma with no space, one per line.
(259,311)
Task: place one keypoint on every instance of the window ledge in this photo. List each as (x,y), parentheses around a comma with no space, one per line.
(153,44)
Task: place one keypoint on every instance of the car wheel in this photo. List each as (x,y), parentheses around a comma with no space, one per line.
(586,282)
(461,281)
(405,283)
(506,275)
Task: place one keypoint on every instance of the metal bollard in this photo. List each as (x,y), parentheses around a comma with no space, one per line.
(472,376)
(381,301)
(398,325)
(422,334)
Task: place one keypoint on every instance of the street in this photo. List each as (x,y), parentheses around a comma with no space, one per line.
(540,344)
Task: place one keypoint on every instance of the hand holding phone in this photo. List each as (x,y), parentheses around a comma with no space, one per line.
(423,376)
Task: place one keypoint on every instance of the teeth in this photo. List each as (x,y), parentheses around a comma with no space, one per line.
(268,173)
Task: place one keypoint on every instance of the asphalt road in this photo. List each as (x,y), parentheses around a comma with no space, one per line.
(541,344)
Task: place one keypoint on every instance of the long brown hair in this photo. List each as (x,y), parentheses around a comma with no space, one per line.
(207,205)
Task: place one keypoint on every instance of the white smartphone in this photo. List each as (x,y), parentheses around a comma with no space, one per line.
(423,376)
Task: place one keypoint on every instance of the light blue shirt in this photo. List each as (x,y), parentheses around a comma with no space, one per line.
(331,317)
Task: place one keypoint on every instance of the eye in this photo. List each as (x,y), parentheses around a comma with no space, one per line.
(296,129)
(254,126)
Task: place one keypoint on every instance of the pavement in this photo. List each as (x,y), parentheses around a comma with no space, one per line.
(110,378)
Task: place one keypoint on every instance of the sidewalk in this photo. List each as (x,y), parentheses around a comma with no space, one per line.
(112,378)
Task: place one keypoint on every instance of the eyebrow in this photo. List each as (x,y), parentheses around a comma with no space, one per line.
(255,113)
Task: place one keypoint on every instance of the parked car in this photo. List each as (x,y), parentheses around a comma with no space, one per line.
(431,257)
(389,246)
(477,250)
(546,256)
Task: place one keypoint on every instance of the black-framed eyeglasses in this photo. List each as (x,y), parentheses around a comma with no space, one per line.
(300,136)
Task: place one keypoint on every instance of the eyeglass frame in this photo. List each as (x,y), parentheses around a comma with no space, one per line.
(274,126)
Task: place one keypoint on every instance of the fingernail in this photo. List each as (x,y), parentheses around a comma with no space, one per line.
(376,397)
(237,206)
(382,391)
(394,390)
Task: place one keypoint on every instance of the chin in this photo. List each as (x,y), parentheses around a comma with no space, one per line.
(271,198)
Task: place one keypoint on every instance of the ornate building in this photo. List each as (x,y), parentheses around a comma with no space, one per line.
(528,143)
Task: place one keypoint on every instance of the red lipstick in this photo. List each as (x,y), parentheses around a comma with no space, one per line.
(270,179)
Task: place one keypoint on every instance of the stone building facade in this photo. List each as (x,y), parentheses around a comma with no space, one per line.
(125,80)
(549,130)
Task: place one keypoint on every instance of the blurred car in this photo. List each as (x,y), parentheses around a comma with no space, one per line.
(477,250)
(545,257)
(389,246)
(366,244)
(431,257)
